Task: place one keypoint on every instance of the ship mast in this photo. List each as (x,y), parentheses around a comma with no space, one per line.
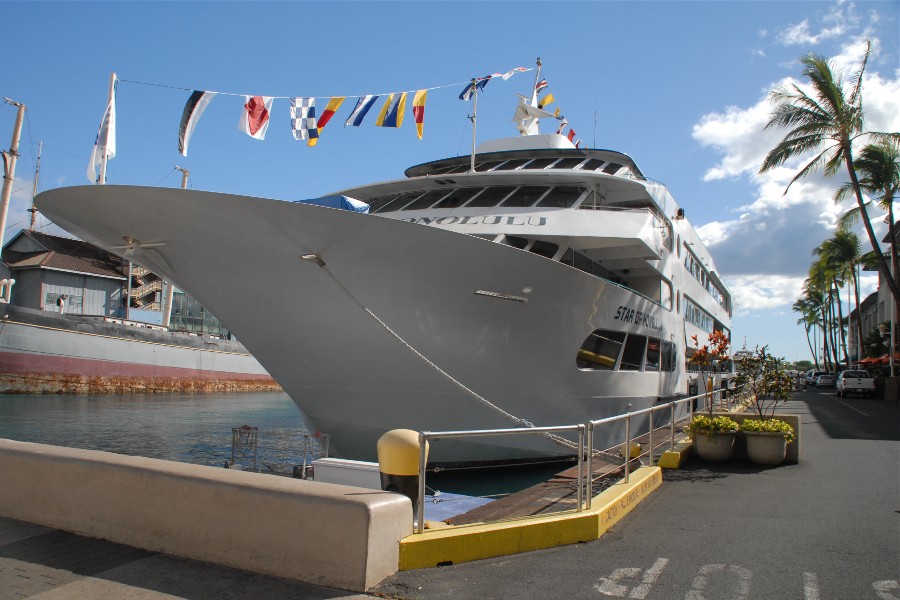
(37,171)
(473,118)
(9,166)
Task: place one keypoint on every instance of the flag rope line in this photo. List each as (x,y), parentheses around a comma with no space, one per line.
(518,421)
(438,87)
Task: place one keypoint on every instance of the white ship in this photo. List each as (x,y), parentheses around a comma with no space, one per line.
(548,285)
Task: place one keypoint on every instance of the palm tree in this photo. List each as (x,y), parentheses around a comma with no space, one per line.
(841,254)
(809,318)
(832,118)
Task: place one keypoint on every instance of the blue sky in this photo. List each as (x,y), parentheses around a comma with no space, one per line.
(679,86)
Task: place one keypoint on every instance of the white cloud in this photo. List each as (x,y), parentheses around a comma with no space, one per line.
(763,291)
(837,22)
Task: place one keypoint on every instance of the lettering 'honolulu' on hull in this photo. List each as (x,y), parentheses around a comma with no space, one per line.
(534,282)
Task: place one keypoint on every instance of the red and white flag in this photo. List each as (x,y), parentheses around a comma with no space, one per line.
(255,116)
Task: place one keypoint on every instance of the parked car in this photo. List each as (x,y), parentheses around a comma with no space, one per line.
(825,380)
(855,382)
(812,376)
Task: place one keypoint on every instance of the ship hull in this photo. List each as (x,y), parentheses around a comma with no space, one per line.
(388,324)
(43,352)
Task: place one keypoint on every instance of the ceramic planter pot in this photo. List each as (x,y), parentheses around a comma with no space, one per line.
(766,447)
(717,447)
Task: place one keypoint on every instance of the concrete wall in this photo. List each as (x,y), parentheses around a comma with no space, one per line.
(320,533)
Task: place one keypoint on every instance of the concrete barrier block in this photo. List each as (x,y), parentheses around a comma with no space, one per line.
(326,534)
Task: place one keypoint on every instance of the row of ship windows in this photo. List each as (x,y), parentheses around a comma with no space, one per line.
(606,350)
(570,257)
(591,164)
(696,269)
(477,197)
(696,315)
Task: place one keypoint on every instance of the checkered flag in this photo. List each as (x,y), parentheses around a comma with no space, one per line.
(303,118)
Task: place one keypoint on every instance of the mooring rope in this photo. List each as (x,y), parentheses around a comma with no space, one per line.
(519,422)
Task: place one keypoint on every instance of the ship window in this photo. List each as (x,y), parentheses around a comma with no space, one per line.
(590,202)
(381,203)
(545,249)
(600,350)
(463,168)
(593,164)
(653,355)
(405,199)
(515,242)
(457,198)
(584,263)
(633,355)
(441,170)
(512,164)
(612,168)
(525,196)
(562,196)
(669,356)
(490,196)
(487,166)
(541,163)
(426,200)
(568,163)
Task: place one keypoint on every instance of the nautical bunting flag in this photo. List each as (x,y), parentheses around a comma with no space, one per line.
(363,105)
(562,126)
(546,100)
(475,84)
(571,135)
(303,119)
(392,112)
(330,109)
(540,85)
(194,108)
(105,142)
(255,116)
(419,110)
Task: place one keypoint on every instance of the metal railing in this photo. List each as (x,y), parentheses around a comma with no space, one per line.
(585,445)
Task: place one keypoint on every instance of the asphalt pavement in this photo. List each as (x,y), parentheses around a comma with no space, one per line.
(826,528)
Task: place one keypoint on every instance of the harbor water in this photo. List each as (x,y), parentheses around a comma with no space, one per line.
(191,428)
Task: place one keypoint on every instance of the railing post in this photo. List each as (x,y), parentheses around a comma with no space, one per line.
(650,435)
(420,522)
(590,463)
(580,467)
(627,451)
(672,427)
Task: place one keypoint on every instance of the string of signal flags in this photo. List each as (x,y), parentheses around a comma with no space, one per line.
(306,125)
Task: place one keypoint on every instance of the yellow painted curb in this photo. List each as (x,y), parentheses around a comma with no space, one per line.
(464,543)
(673,459)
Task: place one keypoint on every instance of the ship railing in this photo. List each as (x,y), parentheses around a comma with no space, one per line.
(720,399)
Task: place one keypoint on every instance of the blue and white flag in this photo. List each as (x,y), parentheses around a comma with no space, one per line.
(478,84)
(303,118)
(105,142)
(363,105)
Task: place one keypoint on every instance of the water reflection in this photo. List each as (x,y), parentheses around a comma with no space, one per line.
(191,428)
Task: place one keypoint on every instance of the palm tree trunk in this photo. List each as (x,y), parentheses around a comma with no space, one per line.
(859,330)
(842,334)
(882,263)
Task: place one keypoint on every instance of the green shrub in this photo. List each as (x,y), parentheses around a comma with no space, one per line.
(711,425)
(769,425)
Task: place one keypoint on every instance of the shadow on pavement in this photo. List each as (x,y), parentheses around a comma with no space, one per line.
(850,418)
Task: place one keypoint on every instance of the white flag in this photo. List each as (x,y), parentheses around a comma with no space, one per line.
(105,143)
(255,116)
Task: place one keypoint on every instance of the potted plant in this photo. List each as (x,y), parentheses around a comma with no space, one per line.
(713,435)
(768,384)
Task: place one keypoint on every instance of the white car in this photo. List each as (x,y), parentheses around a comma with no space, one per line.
(855,382)
(825,380)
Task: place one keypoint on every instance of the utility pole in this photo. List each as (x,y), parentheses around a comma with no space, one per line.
(9,166)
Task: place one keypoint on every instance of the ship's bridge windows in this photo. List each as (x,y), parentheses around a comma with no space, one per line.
(562,196)
(457,198)
(511,165)
(525,196)
(593,164)
(441,170)
(426,200)
(491,196)
(569,163)
(487,166)
(612,168)
(382,203)
(541,163)
(600,351)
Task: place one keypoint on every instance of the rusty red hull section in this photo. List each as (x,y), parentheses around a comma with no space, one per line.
(34,374)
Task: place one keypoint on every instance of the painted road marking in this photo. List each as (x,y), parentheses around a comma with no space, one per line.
(719,580)
(852,408)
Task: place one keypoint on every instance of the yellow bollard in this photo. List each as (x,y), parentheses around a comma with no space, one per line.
(398,463)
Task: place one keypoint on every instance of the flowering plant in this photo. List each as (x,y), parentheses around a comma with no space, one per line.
(707,357)
(711,425)
(769,425)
